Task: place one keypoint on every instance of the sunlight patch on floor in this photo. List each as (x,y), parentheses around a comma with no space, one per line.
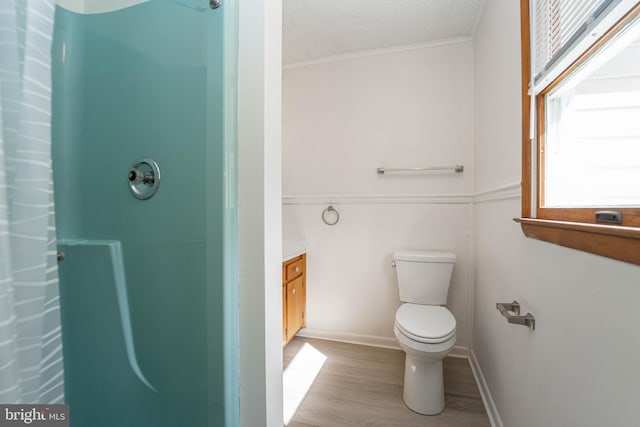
(298,378)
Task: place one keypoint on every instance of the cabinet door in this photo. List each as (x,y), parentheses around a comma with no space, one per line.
(295,307)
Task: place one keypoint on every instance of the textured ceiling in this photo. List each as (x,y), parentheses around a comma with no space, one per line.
(316,29)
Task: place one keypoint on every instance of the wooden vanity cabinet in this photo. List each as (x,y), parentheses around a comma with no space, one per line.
(294,296)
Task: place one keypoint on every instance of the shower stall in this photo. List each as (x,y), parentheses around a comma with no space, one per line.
(144,163)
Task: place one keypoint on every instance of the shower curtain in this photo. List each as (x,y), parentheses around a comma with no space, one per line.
(31,369)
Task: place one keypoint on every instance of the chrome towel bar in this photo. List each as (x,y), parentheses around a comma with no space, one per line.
(527,320)
(456,169)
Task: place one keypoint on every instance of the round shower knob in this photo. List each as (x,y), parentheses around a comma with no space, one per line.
(144,178)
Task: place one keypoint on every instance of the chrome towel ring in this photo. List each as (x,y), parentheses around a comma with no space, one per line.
(329,212)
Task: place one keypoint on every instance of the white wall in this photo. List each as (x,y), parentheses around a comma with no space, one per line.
(259,212)
(341,121)
(580,366)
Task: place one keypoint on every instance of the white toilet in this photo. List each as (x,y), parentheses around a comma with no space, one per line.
(424,328)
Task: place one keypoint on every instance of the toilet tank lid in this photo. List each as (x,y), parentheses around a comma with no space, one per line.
(424,256)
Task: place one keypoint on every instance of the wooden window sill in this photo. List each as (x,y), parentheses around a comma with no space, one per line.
(611,241)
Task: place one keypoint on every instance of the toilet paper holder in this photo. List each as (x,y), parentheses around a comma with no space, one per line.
(506,307)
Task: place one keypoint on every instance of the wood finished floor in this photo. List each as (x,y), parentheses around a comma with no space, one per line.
(362,386)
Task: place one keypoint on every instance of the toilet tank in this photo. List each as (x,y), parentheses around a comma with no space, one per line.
(424,276)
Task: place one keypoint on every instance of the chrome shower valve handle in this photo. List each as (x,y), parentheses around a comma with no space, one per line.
(144,178)
(139,176)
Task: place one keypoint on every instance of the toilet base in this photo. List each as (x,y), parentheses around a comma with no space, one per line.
(423,385)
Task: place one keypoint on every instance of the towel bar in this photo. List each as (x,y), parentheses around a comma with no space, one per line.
(456,169)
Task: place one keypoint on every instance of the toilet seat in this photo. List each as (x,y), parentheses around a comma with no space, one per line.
(429,324)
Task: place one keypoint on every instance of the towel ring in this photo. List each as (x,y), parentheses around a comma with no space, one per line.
(328,210)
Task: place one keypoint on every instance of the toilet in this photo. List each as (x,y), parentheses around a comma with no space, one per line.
(426,331)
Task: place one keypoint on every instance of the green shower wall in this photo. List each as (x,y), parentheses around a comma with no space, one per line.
(145,81)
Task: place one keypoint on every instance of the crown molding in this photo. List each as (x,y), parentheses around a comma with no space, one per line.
(381,51)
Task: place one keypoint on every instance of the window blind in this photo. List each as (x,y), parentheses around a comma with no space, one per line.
(558,25)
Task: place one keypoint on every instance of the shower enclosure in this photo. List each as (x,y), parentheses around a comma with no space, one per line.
(147,285)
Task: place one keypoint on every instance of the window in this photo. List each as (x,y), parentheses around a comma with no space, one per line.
(581,145)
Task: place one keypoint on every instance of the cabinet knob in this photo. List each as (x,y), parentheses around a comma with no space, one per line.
(297,269)
(293,291)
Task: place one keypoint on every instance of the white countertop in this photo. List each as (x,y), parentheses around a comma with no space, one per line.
(292,248)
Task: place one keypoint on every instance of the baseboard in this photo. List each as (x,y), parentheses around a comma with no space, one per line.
(350,338)
(487,399)
(459,351)
(370,340)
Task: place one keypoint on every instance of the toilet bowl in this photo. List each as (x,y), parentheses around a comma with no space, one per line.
(425,330)
(423,390)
